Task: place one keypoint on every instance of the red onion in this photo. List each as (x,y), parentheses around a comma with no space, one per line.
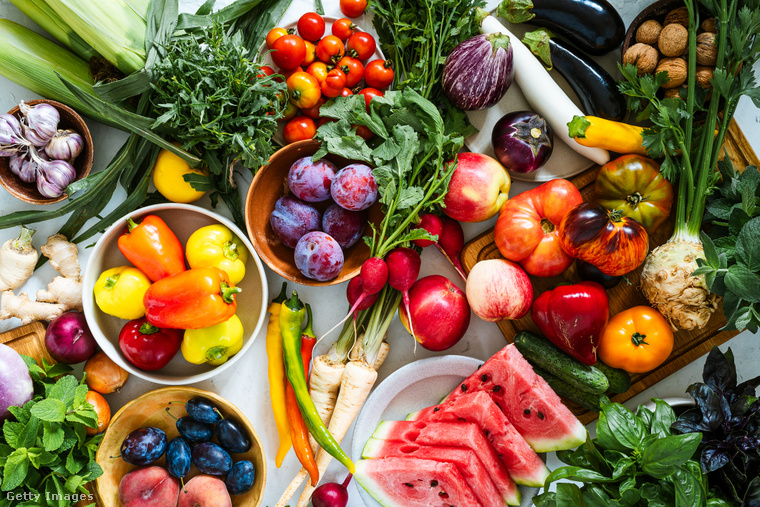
(69,340)
(331,494)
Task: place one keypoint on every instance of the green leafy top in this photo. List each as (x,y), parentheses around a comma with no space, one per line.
(45,453)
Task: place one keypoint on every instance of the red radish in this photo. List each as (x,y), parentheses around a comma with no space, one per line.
(451,242)
(331,494)
(431,223)
(354,291)
(403,269)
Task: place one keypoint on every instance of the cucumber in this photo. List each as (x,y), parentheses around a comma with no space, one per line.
(619,380)
(543,353)
(585,399)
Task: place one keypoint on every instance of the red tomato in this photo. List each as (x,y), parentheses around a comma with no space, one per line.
(287,73)
(345,92)
(311,53)
(334,83)
(291,110)
(324,120)
(330,49)
(313,112)
(353,69)
(363,132)
(266,70)
(298,129)
(353,8)
(343,28)
(318,70)
(361,43)
(303,89)
(311,26)
(369,94)
(379,74)
(273,35)
(289,52)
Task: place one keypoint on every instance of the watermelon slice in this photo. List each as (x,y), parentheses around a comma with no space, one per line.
(522,462)
(527,400)
(411,482)
(465,460)
(455,434)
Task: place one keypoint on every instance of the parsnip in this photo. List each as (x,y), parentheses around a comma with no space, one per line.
(65,291)
(27,310)
(17,260)
(63,255)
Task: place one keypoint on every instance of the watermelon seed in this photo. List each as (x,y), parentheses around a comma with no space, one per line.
(526,411)
(433,483)
(461,419)
(483,377)
(443,494)
(464,388)
(540,416)
(496,389)
(487,432)
(436,409)
(408,485)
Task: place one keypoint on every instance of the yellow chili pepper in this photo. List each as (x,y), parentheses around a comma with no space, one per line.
(216,246)
(213,344)
(119,292)
(596,132)
(276,372)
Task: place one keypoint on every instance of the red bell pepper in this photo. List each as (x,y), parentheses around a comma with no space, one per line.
(147,346)
(152,247)
(573,317)
(193,299)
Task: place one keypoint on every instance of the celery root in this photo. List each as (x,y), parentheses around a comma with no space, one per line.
(17,260)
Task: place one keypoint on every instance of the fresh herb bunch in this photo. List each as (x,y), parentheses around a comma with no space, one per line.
(634,460)
(44,447)
(728,417)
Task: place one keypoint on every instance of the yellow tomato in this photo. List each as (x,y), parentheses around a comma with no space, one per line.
(636,340)
(168,178)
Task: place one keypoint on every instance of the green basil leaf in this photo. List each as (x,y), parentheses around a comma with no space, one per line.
(545,499)
(625,427)
(50,409)
(613,457)
(688,488)
(629,493)
(596,496)
(577,474)
(645,415)
(622,467)
(661,457)
(662,419)
(569,495)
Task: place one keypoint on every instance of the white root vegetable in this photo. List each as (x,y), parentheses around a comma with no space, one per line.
(65,291)
(27,310)
(17,260)
(358,351)
(63,255)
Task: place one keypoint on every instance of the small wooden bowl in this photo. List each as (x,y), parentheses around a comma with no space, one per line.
(150,410)
(27,192)
(271,183)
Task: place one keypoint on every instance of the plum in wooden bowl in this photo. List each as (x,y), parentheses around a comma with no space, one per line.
(149,410)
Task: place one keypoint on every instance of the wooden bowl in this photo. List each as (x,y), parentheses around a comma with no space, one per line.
(150,410)
(271,183)
(657,11)
(27,192)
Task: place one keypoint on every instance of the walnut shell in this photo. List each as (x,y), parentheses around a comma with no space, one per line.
(673,40)
(678,16)
(707,51)
(708,25)
(703,76)
(676,69)
(673,92)
(643,56)
(648,32)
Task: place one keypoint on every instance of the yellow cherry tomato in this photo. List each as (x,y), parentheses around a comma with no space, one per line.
(636,340)
(168,173)
(215,246)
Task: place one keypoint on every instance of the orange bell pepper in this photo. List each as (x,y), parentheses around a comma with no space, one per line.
(636,340)
(152,247)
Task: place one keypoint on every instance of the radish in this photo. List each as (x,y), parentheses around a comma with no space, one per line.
(451,242)
(354,291)
(403,270)
(432,224)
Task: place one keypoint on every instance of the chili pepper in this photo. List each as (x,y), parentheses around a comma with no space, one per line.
(276,373)
(291,318)
(217,246)
(119,292)
(308,341)
(214,344)
(607,134)
(152,247)
(193,299)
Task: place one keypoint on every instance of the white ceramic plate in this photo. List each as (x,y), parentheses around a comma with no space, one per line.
(413,387)
(183,219)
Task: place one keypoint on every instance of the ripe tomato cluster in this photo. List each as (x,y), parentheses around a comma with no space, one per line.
(319,67)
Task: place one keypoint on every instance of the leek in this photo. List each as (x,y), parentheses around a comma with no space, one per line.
(43,15)
(115,28)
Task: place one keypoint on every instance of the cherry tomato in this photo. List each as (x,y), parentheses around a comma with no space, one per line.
(334,83)
(353,8)
(353,69)
(273,35)
(330,49)
(345,92)
(324,120)
(313,112)
(311,26)
(311,54)
(265,71)
(303,89)
(369,94)
(378,74)
(318,70)
(343,28)
(287,73)
(289,52)
(291,110)
(298,129)
(363,132)
(363,44)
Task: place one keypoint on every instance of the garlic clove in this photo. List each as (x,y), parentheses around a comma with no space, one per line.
(24,168)
(10,131)
(65,145)
(34,137)
(43,118)
(53,176)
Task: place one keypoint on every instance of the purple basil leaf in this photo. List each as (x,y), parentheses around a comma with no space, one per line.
(720,371)
(709,403)
(748,386)
(713,459)
(689,422)
(752,495)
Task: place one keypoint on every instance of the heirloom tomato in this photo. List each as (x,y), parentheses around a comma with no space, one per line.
(343,28)
(273,35)
(303,89)
(353,69)
(334,83)
(636,340)
(311,26)
(298,129)
(527,228)
(379,73)
(361,43)
(330,49)
(288,52)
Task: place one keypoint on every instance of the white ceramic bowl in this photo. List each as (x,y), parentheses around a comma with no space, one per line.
(183,219)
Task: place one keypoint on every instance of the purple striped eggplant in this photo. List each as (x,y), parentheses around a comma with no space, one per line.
(479,71)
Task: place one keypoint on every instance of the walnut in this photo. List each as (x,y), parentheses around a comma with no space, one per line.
(678,16)
(708,25)
(648,32)
(703,75)
(643,56)
(673,40)
(707,51)
(676,69)
(673,92)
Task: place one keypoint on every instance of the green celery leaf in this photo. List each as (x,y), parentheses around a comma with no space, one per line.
(661,457)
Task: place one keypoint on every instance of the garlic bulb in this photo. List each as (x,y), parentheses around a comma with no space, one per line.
(65,145)
(41,122)
(53,176)
(11,139)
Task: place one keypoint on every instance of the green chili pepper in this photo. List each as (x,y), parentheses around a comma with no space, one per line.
(291,320)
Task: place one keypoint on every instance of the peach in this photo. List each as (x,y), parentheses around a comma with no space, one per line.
(148,487)
(498,289)
(205,491)
(478,188)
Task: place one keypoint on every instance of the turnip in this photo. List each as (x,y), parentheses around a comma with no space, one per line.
(403,269)
(16,386)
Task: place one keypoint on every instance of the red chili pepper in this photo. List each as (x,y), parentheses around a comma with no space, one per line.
(308,341)
(193,299)
(152,247)
(147,346)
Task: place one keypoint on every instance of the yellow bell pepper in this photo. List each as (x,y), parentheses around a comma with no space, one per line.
(216,246)
(214,344)
(119,292)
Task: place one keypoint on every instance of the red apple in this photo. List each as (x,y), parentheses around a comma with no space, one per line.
(440,312)
(478,188)
(499,289)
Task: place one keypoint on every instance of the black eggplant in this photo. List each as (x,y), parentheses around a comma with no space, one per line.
(593,26)
(596,89)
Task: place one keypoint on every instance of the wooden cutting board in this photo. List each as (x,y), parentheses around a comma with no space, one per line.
(689,345)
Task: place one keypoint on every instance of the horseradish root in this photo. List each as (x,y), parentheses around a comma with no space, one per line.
(65,291)
(63,255)
(17,260)
(27,310)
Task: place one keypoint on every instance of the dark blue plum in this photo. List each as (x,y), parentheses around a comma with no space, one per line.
(240,479)
(232,436)
(144,446)
(203,410)
(211,459)
(178,458)
(194,431)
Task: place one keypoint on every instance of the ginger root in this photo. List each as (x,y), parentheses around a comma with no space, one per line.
(63,255)
(27,310)
(64,291)
(17,260)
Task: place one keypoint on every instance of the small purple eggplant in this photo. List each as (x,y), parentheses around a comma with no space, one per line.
(522,141)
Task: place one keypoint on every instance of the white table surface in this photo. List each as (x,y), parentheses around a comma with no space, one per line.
(245,385)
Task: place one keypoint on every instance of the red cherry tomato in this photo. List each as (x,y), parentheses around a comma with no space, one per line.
(345,92)
(289,52)
(287,73)
(273,35)
(353,8)
(379,74)
(353,69)
(311,54)
(265,71)
(363,44)
(363,132)
(343,28)
(318,70)
(313,112)
(334,83)
(330,49)
(369,94)
(311,26)
(303,89)
(298,129)
(324,120)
